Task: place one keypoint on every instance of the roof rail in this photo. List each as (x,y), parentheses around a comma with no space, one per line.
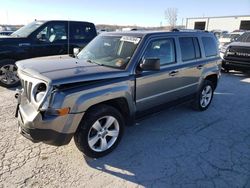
(188,30)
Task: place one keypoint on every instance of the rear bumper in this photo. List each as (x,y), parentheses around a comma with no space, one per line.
(236,65)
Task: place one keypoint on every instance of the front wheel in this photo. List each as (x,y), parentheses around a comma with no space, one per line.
(100,131)
(204,96)
(8,73)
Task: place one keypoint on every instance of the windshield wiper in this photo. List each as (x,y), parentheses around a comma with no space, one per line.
(91,61)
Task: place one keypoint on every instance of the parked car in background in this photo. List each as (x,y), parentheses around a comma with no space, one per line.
(6,33)
(236,56)
(218,33)
(41,38)
(227,38)
(115,79)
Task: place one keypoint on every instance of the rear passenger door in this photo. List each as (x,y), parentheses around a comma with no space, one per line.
(157,87)
(191,64)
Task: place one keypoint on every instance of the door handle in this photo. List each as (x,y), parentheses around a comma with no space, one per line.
(199,67)
(173,73)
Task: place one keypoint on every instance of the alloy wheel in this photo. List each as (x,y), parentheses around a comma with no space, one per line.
(206,96)
(8,74)
(103,133)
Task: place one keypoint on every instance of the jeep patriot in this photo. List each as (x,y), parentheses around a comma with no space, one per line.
(115,79)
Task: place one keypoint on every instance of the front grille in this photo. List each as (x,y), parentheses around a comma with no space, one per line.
(237,53)
(27,86)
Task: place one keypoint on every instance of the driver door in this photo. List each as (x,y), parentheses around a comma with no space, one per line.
(158,87)
(52,39)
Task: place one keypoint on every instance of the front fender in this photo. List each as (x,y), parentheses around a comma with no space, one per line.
(84,102)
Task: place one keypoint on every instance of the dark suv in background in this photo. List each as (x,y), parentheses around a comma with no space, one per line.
(41,38)
(237,54)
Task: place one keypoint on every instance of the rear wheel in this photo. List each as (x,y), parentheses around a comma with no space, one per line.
(8,73)
(100,131)
(204,96)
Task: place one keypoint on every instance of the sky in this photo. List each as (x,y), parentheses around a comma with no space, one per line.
(129,12)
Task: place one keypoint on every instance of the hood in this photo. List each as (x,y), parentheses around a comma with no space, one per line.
(59,70)
(11,40)
(241,44)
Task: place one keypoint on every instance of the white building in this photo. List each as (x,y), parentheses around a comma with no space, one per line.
(225,23)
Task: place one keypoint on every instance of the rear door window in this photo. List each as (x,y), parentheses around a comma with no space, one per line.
(190,48)
(82,31)
(210,46)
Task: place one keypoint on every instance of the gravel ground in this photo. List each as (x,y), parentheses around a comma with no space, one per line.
(174,148)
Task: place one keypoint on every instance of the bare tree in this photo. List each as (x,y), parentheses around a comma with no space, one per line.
(171,15)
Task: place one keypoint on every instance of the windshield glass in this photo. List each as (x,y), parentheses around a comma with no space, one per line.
(26,30)
(111,51)
(225,36)
(232,36)
(244,38)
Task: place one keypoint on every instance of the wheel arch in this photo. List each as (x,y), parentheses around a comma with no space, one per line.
(213,78)
(121,104)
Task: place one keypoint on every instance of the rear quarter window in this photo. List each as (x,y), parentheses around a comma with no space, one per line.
(210,46)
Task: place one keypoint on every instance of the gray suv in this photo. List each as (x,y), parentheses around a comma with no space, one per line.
(117,78)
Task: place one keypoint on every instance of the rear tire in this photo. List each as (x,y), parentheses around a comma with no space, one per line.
(204,96)
(100,131)
(8,73)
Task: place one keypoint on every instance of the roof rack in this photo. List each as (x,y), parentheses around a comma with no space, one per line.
(188,30)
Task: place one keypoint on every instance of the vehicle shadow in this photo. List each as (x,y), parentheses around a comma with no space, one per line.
(143,157)
(170,148)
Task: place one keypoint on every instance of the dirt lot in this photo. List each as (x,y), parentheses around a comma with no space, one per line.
(175,148)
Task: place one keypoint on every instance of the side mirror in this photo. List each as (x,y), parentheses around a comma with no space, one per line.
(151,64)
(76,51)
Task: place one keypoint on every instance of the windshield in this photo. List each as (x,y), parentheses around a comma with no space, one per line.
(244,38)
(225,36)
(111,51)
(233,36)
(26,30)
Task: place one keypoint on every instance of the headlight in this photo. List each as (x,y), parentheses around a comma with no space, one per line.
(40,92)
(40,96)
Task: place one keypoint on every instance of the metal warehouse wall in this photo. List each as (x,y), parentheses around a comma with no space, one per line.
(218,23)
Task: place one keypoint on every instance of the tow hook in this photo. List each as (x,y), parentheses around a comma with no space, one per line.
(18,97)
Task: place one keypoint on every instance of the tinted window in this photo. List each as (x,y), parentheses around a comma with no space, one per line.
(197,48)
(81,31)
(209,46)
(53,32)
(188,51)
(163,49)
(244,38)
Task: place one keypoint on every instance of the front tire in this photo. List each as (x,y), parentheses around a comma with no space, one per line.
(204,96)
(8,73)
(100,131)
